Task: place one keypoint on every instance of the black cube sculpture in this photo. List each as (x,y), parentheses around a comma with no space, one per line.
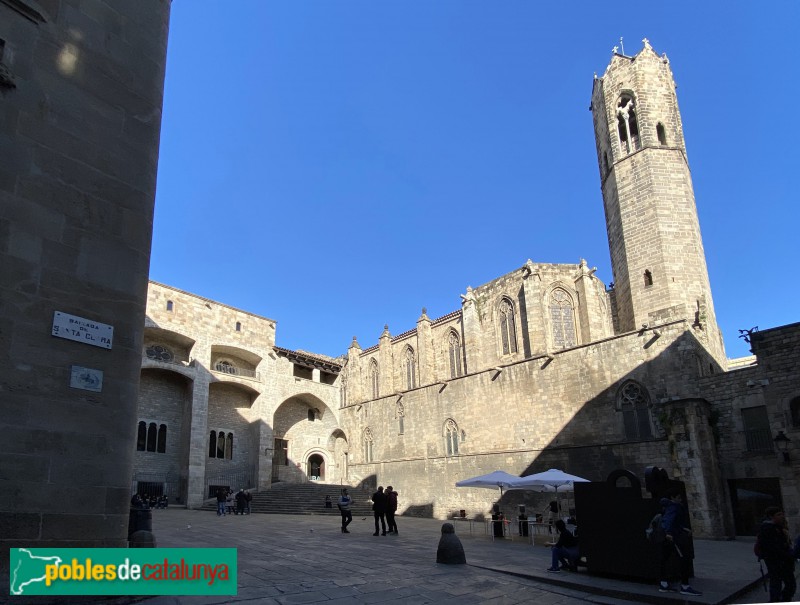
(612,519)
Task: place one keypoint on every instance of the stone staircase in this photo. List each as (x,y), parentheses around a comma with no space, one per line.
(304,499)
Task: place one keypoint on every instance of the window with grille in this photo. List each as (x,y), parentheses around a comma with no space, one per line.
(454,350)
(508,329)
(410,367)
(562,316)
(401,414)
(373,379)
(757,432)
(451,438)
(634,403)
(368,445)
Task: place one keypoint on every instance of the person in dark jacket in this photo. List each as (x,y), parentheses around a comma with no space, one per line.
(222,495)
(241,501)
(565,549)
(391,509)
(677,542)
(776,550)
(379,510)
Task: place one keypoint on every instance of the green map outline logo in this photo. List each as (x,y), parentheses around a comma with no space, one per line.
(123,571)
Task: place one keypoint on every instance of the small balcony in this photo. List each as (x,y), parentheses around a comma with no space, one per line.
(226,368)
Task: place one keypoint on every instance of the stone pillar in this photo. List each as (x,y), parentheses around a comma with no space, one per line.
(79,157)
(355,379)
(425,352)
(386,369)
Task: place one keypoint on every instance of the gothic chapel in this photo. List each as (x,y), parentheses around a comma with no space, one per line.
(543,367)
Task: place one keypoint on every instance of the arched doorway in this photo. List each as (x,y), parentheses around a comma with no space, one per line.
(316,467)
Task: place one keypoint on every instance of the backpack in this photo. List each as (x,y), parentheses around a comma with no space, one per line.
(655,532)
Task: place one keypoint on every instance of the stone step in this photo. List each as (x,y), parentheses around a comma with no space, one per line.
(304,499)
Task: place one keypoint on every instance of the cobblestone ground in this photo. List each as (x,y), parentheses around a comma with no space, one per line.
(306,559)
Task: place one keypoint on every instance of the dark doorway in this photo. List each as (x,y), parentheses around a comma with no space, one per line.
(749,498)
(316,467)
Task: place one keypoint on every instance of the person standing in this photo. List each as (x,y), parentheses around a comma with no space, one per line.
(677,542)
(241,501)
(221,497)
(379,509)
(391,509)
(345,501)
(776,550)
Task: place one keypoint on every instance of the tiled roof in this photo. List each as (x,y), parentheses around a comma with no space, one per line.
(312,360)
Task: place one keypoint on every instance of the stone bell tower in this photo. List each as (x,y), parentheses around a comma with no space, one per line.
(654,236)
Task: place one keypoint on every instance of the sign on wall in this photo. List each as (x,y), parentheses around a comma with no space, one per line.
(87,379)
(82,330)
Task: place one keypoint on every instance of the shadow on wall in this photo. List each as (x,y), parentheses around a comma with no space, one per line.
(419,510)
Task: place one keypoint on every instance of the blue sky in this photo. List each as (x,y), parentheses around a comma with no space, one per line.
(337,166)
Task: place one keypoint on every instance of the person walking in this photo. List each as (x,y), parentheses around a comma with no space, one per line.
(776,550)
(677,542)
(565,550)
(379,509)
(345,501)
(391,509)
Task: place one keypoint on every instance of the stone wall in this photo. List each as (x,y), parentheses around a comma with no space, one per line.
(80,117)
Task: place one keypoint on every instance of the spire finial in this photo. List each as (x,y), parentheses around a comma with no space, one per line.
(621,45)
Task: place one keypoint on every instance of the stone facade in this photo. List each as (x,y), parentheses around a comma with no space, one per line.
(81,87)
(231,380)
(543,367)
(654,236)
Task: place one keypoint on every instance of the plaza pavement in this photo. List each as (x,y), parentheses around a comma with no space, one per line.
(286,559)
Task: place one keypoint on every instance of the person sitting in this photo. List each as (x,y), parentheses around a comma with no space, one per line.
(565,551)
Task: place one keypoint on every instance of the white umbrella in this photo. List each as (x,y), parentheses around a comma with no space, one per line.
(500,479)
(554,479)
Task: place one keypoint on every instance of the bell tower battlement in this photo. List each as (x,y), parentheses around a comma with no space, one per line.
(657,254)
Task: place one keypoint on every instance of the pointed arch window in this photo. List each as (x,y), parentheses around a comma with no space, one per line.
(161,440)
(627,124)
(401,415)
(151,437)
(373,379)
(454,350)
(344,391)
(794,408)
(368,444)
(220,445)
(141,436)
(634,403)
(451,437)
(662,134)
(409,362)
(508,328)
(562,316)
